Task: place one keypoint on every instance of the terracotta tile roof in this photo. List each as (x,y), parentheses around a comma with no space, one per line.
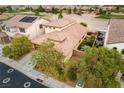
(14,22)
(116,31)
(67,38)
(60,23)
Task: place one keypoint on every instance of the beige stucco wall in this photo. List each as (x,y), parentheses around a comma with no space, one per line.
(32,31)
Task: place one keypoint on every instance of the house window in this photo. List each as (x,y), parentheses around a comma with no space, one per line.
(41,26)
(22,30)
(115,48)
(8,29)
(122,52)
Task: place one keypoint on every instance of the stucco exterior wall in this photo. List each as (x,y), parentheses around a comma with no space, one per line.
(119,46)
(33,31)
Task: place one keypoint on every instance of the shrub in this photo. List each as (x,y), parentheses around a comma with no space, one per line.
(71,73)
(83,24)
(17,48)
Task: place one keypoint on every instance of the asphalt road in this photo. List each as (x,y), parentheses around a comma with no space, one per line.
(11,78)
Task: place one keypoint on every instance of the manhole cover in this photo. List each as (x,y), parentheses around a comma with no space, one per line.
(10,70)
(27,84)
(6,80)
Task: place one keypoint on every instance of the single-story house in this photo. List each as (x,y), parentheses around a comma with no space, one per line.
(31,26)
(115,35)
(65,40)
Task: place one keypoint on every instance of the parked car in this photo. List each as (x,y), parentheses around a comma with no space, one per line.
(39,80)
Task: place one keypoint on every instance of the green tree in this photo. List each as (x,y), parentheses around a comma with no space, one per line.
(41,9)
(17,48)
(6,51)
(2,10)
(9,9)
(75,10)
(60,16)
(69,11)
(72,73)
(54,10)
(100,67)
(49,60)
(37,13)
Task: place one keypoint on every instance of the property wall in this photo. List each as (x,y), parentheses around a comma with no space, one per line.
(106,36)
(77,53)
(119,46)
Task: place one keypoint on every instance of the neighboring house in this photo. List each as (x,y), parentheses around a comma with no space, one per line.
(115,35)
(57,25)
(66,39)
(30,26)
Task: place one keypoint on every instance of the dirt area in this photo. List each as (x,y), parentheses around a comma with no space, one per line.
(93,24)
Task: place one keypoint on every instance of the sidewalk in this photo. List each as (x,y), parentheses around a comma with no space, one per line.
(33,74)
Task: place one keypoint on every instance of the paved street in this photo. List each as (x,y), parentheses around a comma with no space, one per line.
(11,78)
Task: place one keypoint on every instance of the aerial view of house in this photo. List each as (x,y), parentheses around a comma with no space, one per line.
(62,46)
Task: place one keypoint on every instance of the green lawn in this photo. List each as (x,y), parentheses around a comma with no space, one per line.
(104,16)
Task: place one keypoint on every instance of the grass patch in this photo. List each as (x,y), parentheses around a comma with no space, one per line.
(106,16)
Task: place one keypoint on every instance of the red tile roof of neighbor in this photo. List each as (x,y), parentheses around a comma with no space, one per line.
(60,23)
(67,38)
(14,22)
(116,31)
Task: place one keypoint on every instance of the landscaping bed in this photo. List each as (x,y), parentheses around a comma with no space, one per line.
(87,42)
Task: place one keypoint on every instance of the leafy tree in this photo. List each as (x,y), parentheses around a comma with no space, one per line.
(7,51)
(2,10)
(54,10)
(100,67)
(9,9)
(17,48)
(60,16)
(72,73)
(69,11)
(41,9)
(37,13)
(84,24)
(49,60)
(75,10)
